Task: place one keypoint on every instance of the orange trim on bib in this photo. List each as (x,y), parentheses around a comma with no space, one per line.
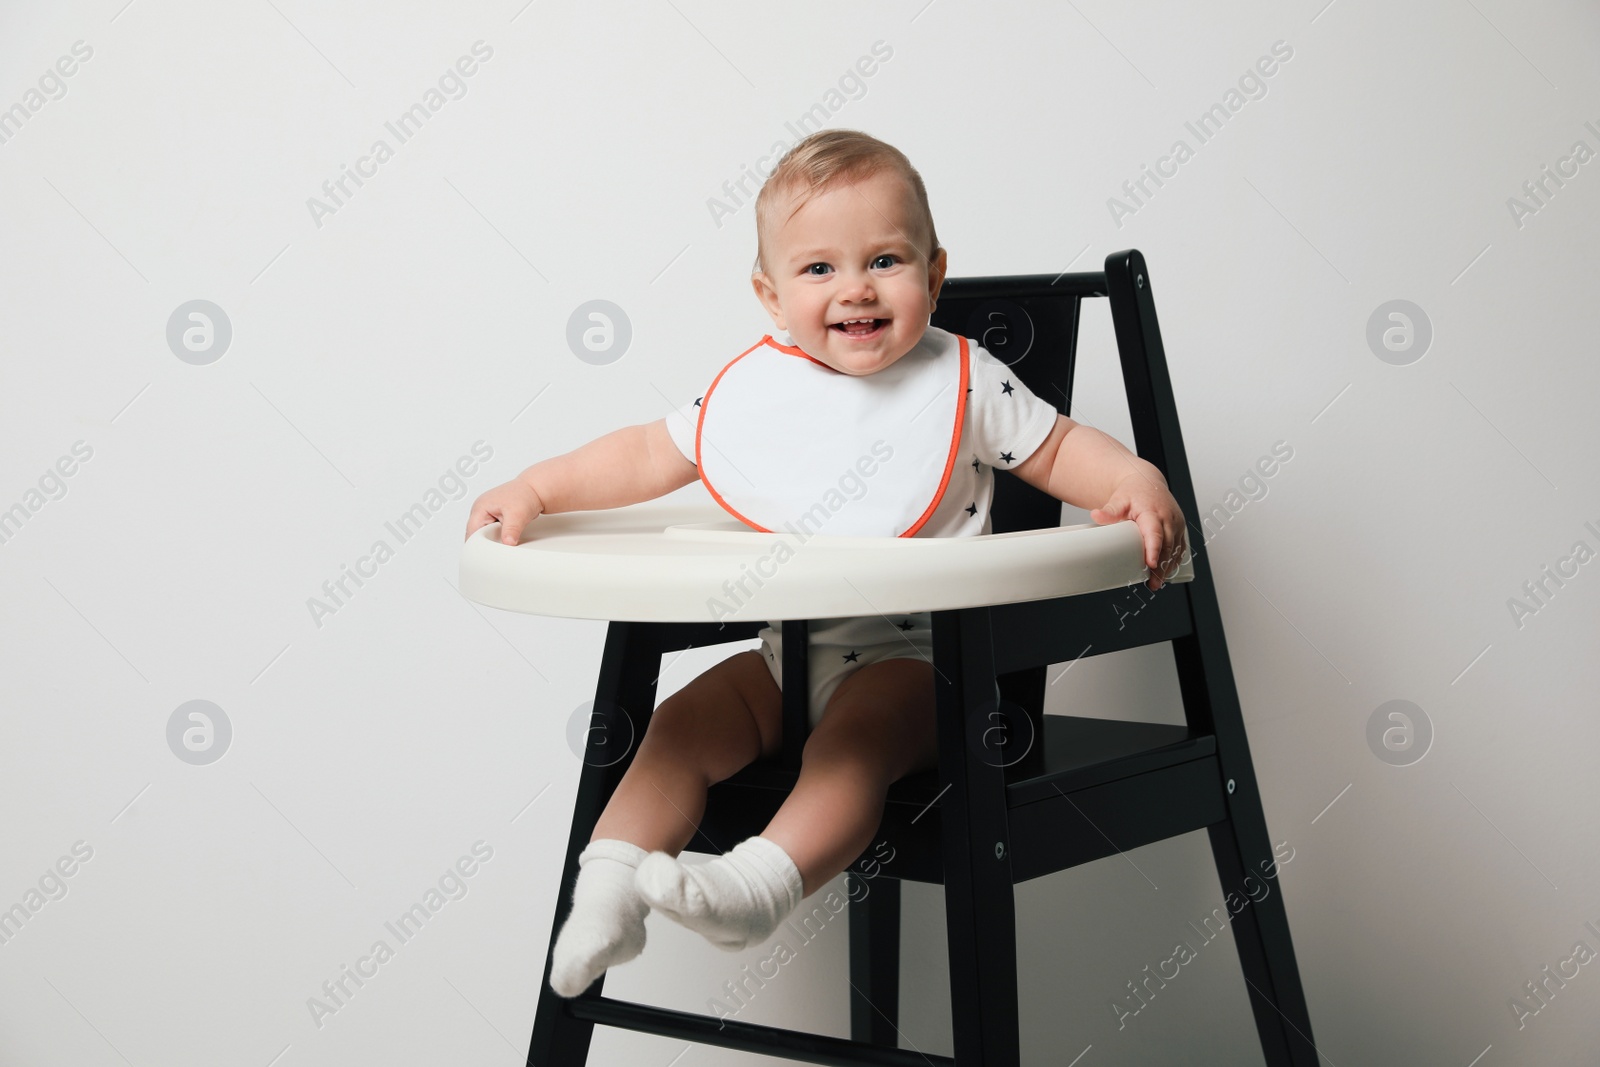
(700,422)
(955,442)
(794,350)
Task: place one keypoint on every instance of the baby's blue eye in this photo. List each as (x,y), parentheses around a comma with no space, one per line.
(887,256)
(823,265)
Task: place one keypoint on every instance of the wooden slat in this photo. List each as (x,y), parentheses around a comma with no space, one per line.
(1069,829)
(1038,632)
(746,1037)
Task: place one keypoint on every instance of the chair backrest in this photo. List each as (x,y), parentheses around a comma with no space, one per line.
(1030,323)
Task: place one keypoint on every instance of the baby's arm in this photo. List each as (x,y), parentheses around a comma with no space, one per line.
(626,466)
(1093,470)
(1082,466)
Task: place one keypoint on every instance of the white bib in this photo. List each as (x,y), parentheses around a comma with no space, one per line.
(784,441)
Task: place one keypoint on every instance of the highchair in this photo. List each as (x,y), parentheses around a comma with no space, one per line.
(1017,794)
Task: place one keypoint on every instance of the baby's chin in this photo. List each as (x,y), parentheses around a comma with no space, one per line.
(861,364)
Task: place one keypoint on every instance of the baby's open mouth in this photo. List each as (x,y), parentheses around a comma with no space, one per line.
(859,327)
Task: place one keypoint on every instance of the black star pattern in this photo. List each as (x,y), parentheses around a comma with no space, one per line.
(853,656)
(1008,457)
(969,388)
(1005,387)
(975,464)
(972,508)
(906,625)
(697,400)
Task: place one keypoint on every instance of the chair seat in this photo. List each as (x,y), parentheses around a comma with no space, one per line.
(1115,785)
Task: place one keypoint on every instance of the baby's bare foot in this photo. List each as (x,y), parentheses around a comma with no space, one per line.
(735,901)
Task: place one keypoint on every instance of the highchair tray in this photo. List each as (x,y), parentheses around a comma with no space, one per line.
(659,562)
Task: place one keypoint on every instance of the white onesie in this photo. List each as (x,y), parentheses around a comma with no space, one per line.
(789,442)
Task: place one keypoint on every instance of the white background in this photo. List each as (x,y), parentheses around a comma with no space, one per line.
(371,351)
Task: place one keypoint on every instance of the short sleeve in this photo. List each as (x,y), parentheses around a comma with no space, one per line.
(1006,421)
(681,426)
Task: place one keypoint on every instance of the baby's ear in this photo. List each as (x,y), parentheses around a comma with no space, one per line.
(768,295)
(937,267)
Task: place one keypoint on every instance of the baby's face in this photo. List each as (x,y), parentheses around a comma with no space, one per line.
(852,252)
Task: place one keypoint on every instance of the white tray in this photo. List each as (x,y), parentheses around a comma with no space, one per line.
(656,562)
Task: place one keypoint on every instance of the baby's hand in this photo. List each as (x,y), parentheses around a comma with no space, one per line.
(1144,498)
(514,504)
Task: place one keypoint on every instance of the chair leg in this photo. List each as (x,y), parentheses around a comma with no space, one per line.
(980,909)
(875,963)
(625,699)
(1261,934)
(1240,844)
(1205,675)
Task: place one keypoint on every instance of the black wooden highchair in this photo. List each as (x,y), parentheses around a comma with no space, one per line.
(1017,794)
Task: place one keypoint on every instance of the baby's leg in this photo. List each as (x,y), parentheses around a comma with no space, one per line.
(709,730)
(701,734)
(878,726)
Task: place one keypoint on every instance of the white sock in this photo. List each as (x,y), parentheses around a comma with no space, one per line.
(735,901)
(606,924)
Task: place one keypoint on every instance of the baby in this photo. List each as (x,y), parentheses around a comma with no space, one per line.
(849,268)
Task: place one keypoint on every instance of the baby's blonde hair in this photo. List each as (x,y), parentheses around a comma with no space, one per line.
(828,158)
